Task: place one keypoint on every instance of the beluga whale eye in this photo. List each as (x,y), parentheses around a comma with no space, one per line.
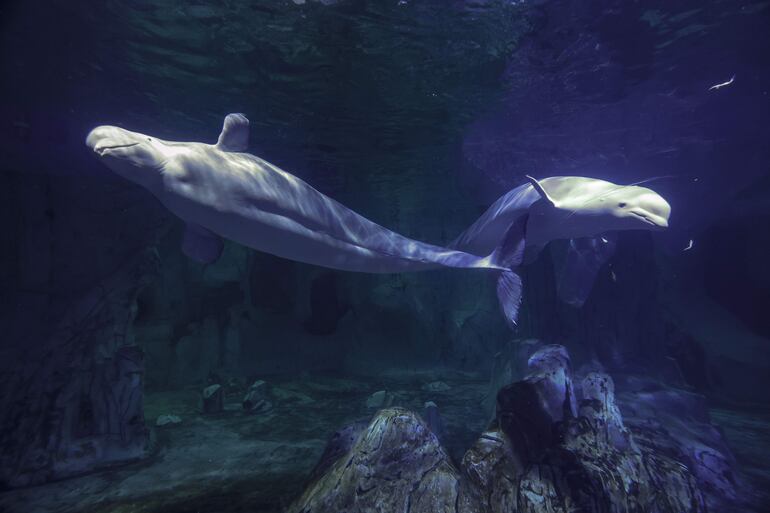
(622,204)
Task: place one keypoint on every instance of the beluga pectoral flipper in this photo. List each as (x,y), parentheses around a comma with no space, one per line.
(220,192)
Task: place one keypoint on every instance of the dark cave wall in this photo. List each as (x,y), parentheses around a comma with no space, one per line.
(70,377)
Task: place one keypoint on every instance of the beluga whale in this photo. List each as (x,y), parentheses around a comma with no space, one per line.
(221,192)
(584,211)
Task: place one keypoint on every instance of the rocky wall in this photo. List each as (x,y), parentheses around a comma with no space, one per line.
(75,401)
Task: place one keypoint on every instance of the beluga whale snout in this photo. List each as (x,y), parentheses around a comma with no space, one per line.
(133,155)
(221,192)
(104,138)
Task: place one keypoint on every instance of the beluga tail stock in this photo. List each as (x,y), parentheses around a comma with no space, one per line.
(221,192)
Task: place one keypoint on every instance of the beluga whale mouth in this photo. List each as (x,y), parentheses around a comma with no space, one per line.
(102,149)
(104,138)
(651,219)
(132,155)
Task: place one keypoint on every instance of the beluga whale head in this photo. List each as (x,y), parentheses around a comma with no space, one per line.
(135,156)
(574,207)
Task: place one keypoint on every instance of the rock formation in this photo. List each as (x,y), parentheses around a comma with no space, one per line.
(549,450)
(396,464)
(213,399)
(257,399)
(76,403)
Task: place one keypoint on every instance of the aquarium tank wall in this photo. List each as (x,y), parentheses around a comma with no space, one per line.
(465,256)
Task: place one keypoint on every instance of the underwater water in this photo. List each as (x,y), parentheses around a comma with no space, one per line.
(187,328)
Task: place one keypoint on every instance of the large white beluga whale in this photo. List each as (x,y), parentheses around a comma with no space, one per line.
(221,192)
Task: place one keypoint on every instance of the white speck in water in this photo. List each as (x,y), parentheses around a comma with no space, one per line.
(722,84)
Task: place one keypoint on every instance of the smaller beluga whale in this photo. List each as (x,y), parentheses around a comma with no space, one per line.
(221,192)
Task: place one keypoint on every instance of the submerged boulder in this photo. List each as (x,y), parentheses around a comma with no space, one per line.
(396,464)
(257,398)
(167,420)
(492,471)
(508,365)
(75,402)
(436,386)
(598,406)
(338,445)
(528,411)
(557,458)
(670,420)
(213,399)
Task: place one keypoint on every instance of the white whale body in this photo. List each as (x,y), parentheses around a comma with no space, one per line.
(221,192)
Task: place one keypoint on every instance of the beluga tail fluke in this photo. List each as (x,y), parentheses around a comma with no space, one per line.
(220,192)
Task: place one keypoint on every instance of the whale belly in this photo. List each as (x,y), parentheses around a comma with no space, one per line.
(249,201)
(285,237)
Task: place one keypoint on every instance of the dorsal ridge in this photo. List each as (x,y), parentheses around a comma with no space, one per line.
(541,191)
(235,133)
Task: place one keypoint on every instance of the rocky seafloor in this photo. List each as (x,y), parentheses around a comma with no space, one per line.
(411,442)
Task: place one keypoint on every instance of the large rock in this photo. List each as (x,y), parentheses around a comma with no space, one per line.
(436,386)
(492,471)
(528,411)
(508,365)
(551,375)
(395,465)
(257,399)
(213,399)
(598,406)
(545,458)
(665,419)
(167,420)
(75,402)
(338,445)
(556,460)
